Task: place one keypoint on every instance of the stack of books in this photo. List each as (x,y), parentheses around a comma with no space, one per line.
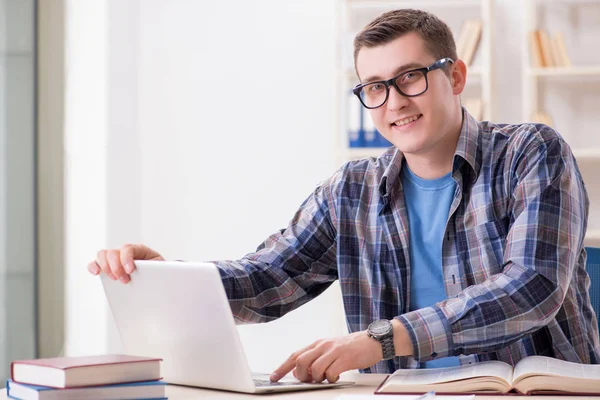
(548,51)
(110,376)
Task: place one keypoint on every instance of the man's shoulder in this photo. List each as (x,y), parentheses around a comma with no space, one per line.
(367,167)
(518,137)
(357,174)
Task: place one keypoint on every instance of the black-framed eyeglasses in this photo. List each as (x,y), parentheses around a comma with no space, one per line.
(409,83)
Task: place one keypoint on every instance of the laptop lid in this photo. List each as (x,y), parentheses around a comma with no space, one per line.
(179,311)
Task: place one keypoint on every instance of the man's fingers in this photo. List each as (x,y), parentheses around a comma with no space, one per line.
(127,257)
(304,363)
(289,364)
(284,368)
(327,359)
(119,263)
(93,268)
(321,364)
(334,370)
(114,261)
(146,253)
(103,264)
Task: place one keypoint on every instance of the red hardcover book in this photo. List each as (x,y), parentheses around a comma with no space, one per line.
(69,372)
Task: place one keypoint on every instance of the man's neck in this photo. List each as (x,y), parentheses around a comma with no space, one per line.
(427,168)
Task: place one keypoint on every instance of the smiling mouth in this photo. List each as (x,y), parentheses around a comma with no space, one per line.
(406,121)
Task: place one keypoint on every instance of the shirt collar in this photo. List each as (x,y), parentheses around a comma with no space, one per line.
(467,145)
(466,151)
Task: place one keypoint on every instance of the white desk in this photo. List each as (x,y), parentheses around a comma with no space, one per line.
(365,385)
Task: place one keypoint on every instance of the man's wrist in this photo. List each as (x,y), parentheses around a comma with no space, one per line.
(402,343)
(383,332)
(378,350)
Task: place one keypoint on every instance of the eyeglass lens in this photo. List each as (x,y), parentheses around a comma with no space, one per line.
(410,84)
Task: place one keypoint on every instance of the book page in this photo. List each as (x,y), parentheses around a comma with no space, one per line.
(401,397)
(436,375)
(539,365)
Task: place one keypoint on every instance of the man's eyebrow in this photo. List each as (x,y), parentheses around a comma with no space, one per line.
(397,71)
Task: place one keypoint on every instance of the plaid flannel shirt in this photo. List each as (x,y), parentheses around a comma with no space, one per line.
(512,256)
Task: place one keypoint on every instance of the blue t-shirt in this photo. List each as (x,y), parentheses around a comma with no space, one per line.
(428,204)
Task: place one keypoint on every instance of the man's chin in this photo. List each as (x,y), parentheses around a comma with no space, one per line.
(406,146)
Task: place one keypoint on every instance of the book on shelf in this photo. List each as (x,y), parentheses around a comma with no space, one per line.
(69,372)
(547,51)
(362,132)
(372,137)
(125,391)
(536,51)
(560,50)
(531,375)
(468,40)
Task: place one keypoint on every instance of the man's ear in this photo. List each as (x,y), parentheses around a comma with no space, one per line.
(458,76)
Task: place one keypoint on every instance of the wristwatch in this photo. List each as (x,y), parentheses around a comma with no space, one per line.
(383,331)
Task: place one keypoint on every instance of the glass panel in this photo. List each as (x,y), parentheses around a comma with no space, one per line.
(17,183)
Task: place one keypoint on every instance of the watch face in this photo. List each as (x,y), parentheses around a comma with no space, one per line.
(380,327)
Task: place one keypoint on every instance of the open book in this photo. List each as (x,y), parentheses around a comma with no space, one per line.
(534,374)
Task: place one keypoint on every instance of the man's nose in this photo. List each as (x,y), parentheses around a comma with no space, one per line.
(396,100)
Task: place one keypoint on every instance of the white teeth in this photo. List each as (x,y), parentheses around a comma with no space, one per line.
(406,120)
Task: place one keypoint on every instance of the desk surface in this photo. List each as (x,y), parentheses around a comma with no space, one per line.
(365,385)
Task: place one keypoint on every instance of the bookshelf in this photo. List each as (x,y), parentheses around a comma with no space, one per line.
(575,72)
(353,15)
(567,92)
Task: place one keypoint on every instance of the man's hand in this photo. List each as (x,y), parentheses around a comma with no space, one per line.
(327,359)
(118,263)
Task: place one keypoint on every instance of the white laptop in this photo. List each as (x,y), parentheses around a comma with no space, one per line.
(179,311)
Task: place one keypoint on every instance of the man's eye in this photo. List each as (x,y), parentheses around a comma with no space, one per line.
(377,87)
(409,77)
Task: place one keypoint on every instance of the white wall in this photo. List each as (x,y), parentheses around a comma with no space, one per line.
(235,122)
(196,128)
(85,174)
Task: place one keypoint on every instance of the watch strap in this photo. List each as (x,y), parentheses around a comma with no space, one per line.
(387,345)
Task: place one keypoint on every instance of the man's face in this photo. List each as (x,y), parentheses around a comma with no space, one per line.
(416,125)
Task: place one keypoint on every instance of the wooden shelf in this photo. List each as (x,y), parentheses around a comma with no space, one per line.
(592,154)
(592,238)
(374,4)
(568,2)
(564,71)
(474,71)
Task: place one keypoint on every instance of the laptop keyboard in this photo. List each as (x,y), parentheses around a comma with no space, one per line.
(268,383)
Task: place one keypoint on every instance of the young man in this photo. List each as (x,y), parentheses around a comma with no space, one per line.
(462,243)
